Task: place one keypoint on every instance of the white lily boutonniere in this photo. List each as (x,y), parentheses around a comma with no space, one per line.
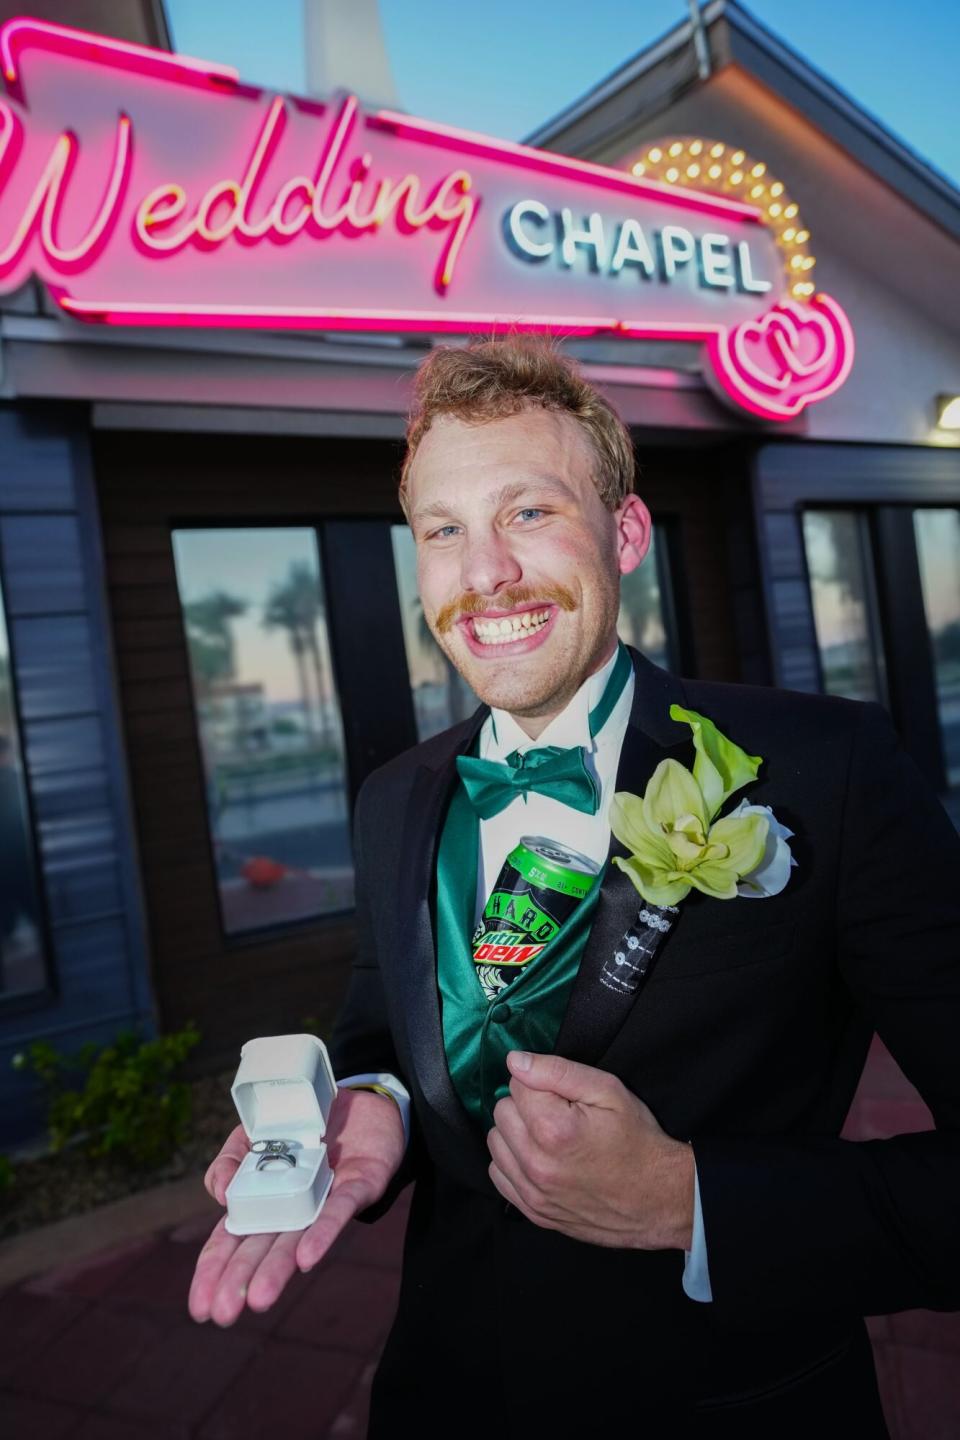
(676,841)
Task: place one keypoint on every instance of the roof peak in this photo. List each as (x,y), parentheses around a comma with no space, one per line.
(736,36)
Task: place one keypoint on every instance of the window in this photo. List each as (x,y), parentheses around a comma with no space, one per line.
(22,960)
(441,698)
(645,619)
(938,551)
(843,593)
(269,724)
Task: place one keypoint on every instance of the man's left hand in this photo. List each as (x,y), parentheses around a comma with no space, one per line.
(575,1151)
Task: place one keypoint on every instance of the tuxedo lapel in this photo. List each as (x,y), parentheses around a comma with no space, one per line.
(429,798)
(594,1013)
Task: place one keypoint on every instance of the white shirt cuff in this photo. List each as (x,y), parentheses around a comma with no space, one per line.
(389,1082)
(696,1274)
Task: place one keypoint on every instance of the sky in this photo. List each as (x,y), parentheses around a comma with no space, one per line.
(504,68)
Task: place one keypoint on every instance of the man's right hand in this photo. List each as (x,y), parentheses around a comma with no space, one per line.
(365,1143)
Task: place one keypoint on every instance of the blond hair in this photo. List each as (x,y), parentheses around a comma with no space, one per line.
(493,379)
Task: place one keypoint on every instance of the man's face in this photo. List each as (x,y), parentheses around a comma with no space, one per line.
(518,560)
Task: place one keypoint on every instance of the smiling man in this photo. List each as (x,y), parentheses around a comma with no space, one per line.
(526,608)
(632,1210)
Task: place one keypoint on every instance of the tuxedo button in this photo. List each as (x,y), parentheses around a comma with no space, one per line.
(500,1013)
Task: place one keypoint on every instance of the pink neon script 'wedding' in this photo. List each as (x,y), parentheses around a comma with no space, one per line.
(149,188)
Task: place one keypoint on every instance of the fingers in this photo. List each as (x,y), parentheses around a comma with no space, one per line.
(222,1170)
(506,1163)
(528,1172)
(566,1078)
(211,1263)
(255,1275)
(534,1123)
(260,1277)
(234,1271)
(538,1129)
(549,1119)
(509,1192)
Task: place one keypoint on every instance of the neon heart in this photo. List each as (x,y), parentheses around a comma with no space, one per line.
(799,381)
(783,336)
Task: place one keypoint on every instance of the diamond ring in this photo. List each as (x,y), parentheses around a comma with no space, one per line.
(269,1150)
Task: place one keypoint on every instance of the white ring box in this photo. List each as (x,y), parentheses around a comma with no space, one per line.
(283,1090)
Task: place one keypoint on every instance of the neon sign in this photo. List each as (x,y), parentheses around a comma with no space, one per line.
(146,188)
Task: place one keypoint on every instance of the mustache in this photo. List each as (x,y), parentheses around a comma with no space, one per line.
(511,598)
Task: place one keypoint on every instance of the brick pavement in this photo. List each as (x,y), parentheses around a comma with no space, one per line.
(103,1349)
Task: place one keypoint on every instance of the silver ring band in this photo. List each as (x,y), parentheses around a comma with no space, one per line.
(266,1160)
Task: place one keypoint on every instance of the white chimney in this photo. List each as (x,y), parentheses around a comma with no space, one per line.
(345,50)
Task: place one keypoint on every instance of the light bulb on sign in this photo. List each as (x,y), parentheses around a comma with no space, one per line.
(701,163)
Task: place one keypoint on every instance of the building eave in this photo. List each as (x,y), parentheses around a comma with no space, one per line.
(664,71)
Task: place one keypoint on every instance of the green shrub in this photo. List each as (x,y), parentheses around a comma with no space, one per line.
(118,1100)
(6,1174)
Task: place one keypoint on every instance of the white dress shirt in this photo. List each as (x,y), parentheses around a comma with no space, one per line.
(534,814)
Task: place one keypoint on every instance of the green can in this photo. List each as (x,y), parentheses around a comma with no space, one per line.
(538,888)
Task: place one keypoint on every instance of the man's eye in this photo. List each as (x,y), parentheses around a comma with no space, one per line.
(443,533)
(530,511)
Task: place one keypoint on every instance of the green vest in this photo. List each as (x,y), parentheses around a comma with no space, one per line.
(476,1033)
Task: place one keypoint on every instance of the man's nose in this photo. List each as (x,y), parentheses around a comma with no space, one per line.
(488,562)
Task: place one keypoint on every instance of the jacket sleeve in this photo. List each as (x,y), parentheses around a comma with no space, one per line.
(822,1223)
(361,1040)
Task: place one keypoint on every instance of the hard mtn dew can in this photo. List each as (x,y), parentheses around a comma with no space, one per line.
(540,885)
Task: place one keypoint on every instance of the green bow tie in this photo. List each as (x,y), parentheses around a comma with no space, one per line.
(549,770)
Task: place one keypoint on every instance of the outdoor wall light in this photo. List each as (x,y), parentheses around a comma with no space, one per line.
(948,412)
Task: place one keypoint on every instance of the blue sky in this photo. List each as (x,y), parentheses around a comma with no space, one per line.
(503,67)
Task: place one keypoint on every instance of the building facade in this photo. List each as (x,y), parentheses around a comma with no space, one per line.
(209,630)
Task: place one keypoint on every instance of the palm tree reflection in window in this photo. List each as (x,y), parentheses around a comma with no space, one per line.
(294,605)
(268,721)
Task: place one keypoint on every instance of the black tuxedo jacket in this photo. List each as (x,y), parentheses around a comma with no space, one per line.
(748,1038)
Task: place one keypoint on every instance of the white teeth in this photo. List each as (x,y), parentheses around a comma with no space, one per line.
(502,632)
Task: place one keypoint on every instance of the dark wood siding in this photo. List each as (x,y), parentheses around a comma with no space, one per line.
(56,618)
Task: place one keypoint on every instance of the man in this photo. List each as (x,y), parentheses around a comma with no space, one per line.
(630,1211)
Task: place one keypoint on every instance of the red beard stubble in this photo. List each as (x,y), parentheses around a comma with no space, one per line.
(511,599)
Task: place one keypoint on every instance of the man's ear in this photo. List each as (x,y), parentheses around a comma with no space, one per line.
(634,533)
